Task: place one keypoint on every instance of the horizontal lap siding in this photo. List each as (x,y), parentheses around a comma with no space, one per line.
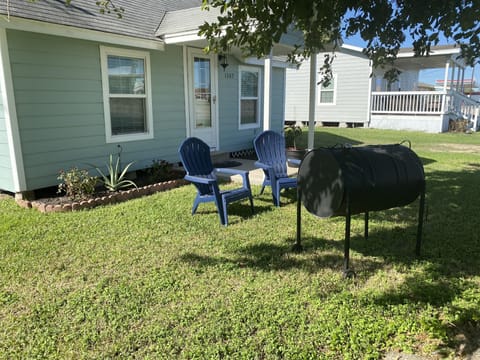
(231,137)
(53,77)
(58,91)
(352,92)
(296,93)
(278,99)
(168,106)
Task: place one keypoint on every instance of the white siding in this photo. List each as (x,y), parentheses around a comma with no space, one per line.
(427,123)
(352,71)
(296,93)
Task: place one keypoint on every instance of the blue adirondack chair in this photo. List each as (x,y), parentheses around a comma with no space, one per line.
(270,148)
(195,156)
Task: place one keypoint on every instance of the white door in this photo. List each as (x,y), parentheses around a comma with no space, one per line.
(202,96)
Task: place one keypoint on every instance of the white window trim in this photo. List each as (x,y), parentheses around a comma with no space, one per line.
(257,123)
(319,91)
(145,55)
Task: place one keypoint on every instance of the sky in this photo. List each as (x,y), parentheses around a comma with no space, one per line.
(427,76)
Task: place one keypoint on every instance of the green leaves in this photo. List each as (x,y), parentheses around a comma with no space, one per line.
(292,133)
(115,179)
(255,26)
(108,6)
(76,183)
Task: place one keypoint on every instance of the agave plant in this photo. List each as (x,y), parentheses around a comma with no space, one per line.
(115,179)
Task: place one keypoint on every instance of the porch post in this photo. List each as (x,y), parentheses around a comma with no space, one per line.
(459,71)
(445,81)
(267,99)
(311,100)
(462,81)
(452,78)
(445,78)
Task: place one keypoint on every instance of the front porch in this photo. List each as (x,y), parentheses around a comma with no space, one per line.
(424,106)
(429,111)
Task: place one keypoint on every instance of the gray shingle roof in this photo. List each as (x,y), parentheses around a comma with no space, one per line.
(140,19)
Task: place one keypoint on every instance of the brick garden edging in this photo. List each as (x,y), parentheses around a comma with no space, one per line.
(104,200)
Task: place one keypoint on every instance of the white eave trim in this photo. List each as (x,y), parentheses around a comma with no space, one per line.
(191,36)
(79,33)
(275,63)
(352,48)
(182,37)
(433,52)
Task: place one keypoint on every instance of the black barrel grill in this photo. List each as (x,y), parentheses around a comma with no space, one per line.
(343,181)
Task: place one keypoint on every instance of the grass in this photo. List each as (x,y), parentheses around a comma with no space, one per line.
(145,279)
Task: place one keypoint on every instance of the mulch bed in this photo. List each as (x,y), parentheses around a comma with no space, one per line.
(48,202)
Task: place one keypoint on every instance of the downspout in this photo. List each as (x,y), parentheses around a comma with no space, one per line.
(11,119)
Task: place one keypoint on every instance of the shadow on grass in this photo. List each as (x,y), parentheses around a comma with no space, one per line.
(450,254)
(240,209)
(269,257)
(326,139)
(444,276)
(450,236)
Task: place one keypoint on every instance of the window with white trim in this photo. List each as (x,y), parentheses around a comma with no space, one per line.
(327,91)
(249,89)
(126,94)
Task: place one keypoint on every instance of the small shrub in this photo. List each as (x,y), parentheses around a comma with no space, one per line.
(160,170)
(292,133)
(458,125)
(115,179)
(76,184)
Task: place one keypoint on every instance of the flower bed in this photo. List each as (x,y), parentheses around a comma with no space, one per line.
(45,206)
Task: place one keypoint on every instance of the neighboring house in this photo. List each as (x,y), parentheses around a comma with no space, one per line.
(78,85)
(358,94)
(345,100)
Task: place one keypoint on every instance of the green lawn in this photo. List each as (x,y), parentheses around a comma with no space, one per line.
(145,279)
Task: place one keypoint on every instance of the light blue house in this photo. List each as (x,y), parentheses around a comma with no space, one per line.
(77,86)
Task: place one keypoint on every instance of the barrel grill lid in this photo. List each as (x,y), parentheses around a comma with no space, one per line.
(320,182)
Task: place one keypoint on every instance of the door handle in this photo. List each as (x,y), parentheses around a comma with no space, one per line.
(214,99)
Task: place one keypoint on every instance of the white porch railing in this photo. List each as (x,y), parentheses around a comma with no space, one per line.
(407,102)
(449,103)
(461,106)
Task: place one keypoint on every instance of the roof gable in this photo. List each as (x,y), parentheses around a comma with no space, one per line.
(190,19)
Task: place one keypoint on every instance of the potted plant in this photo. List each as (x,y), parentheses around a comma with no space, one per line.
(292,133)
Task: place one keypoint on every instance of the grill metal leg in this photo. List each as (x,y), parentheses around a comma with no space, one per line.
(298,244)
(421,211)
(347,272)
(366,224)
